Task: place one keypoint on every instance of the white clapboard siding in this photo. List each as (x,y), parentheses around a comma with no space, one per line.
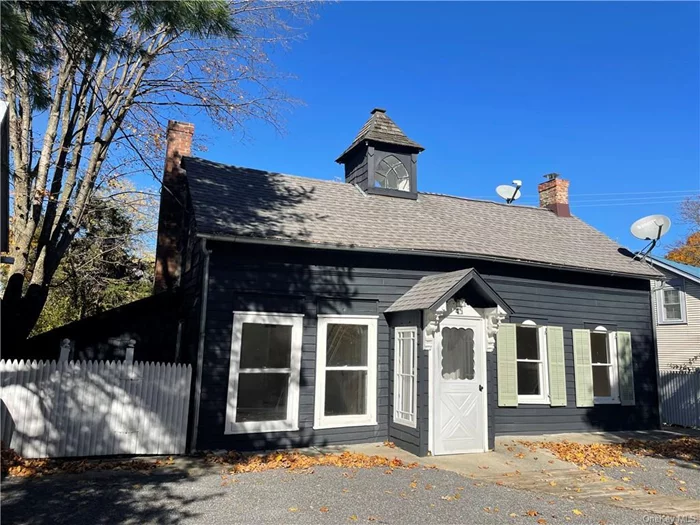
(680,397)
(91,408)
(678,344)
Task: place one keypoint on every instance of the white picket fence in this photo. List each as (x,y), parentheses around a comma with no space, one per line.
(680,397)
(94,408)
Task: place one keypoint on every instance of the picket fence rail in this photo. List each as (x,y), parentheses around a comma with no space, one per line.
(94,408)
(680,397)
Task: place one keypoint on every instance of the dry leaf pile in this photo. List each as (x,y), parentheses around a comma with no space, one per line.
(612,454)
(16,466)
(241,463)
(601,454)
(685,448)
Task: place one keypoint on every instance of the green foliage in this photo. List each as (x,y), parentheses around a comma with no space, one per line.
(102,270)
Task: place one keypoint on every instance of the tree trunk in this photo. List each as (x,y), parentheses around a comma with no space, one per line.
(20,312)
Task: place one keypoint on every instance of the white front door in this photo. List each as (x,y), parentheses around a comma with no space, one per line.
(459,387)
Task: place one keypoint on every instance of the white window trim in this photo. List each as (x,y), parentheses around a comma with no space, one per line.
(370,418)
(412,417)
(661,311)
(614,397)
(543,397)
(291,423)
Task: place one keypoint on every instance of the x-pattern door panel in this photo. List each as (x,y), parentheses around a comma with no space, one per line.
(458,404)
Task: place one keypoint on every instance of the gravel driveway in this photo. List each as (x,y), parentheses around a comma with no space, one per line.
(672,477)
(328,495)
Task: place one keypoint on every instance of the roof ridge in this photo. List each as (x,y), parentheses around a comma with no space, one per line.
(473,199)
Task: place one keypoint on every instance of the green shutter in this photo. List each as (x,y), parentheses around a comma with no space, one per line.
(506,352)
(557,366)
(582,368)
(625,367)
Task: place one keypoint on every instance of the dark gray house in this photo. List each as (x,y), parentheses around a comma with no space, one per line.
(322,312)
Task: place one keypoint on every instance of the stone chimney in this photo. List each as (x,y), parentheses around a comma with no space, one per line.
(172,226)
(554,195)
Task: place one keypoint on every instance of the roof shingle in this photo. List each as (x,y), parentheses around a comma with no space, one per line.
(380,128)
(241,202)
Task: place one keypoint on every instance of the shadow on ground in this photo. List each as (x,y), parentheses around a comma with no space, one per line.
(132,497)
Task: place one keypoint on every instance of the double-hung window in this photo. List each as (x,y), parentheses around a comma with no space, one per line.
(604,364)
(405,376)
(531,358)
(671,299)
(346,371)
(263,388)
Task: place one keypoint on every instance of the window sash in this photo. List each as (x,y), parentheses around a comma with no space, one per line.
(542,376)
(337,421)
(664,303)
(291,422)
(611,365)
(405,383)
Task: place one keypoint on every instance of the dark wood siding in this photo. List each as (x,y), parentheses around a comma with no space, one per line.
(579,306)
(251,277)
(414,440)
(356,169)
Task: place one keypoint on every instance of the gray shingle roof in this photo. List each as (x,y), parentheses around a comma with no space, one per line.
(241,202)
(380,128)
(428,291)
(433,290)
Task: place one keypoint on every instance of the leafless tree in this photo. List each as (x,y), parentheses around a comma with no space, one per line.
(106,103)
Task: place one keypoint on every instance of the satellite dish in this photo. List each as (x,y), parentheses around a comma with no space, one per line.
(650,228)
(509,193)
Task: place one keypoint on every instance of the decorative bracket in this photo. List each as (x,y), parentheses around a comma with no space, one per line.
(434,318)
(494,318)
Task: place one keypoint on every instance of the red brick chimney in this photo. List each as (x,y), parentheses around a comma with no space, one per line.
(172,226)
(554,195)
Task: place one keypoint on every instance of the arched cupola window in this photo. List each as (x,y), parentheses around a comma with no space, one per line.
(391,173)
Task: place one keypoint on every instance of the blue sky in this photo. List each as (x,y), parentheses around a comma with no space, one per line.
(607,94)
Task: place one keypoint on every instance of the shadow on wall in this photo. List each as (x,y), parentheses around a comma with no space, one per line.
(95,409)
(110,497)
(151,322)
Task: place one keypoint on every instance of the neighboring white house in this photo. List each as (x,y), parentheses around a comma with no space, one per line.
(676,306)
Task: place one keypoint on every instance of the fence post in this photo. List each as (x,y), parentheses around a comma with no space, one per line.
(66,347)
(130,351)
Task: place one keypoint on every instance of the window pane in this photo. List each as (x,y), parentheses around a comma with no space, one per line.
(672,297)
(601,381)
(266,345)
(527,343)
(262,397)
(457,353)
(529,379)
(599,348)
(346,392)
(407,395)
(673,312)
(346,345)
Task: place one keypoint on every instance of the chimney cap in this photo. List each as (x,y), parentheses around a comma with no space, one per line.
(551,176)
(378,110)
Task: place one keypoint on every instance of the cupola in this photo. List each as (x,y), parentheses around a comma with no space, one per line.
(382,159)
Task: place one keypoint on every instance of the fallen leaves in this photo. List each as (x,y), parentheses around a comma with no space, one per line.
(532,513)
(616,498)
(577,512)
(684,448)
(542,521)
(16,466)
(324,509)
(613,454)
(241,463)
(602,454)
